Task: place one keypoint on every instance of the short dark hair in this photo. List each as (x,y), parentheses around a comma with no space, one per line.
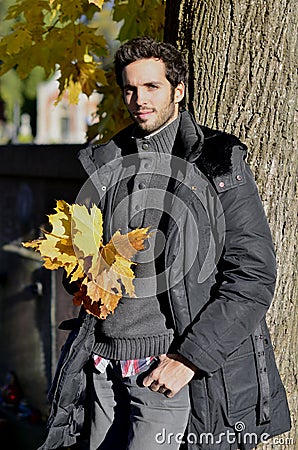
(146,48)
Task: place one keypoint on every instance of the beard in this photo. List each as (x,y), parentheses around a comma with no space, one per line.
(157,119)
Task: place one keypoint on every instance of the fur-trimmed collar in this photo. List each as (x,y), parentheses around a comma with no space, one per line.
(210,149)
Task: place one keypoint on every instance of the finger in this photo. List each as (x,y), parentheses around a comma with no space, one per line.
(154,386)
(168,393)
(149,379)
(162,389)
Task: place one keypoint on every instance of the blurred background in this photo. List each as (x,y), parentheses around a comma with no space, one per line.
(58,94)
(39,142)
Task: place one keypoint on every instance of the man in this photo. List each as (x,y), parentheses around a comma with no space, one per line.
(189,361)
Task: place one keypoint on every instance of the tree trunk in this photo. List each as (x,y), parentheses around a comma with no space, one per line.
(242,58)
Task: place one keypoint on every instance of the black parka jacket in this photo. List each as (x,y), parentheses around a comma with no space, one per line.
(221,244)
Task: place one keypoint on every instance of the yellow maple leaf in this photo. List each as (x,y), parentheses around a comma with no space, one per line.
(118,254)
(90,76)
(17,40)
(75,243)
(56,246)
(61,221)
(97,3)
(106,290)
(111,270)
(99,298)
(74,90)
(87,229)
(122,267)
(70,10)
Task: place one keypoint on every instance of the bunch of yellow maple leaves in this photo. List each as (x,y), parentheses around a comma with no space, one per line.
(102,272)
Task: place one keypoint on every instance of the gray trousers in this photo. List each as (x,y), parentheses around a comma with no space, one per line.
(128,416)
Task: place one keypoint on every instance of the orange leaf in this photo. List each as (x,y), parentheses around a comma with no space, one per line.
(127,245)
(75,243)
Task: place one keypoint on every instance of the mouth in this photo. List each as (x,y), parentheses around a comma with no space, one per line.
(143,114)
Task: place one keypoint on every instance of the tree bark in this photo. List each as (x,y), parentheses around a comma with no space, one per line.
(242,60)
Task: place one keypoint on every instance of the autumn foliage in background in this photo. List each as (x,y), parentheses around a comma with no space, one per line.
(75,243)
(78,38)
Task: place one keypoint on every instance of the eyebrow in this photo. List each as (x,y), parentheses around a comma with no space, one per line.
(148,83)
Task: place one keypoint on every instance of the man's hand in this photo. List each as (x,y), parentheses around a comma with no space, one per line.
(172,373)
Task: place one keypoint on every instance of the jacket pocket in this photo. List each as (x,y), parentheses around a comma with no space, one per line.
(241,385)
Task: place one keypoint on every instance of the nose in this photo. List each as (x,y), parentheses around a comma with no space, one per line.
(140,97)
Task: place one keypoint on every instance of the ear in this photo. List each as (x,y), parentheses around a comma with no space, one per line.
(179,92)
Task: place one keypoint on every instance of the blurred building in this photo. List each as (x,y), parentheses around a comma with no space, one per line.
(63,123)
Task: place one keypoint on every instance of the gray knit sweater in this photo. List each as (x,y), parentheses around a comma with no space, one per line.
(138,327)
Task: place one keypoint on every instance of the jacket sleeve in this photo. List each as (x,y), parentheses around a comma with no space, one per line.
(246,279)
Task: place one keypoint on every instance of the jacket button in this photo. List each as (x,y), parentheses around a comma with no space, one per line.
(142,186)
(145,146)
(194,188)
(238,177)
(103,188)
(221,184)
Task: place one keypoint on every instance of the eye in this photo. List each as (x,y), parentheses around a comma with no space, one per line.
(128,90)
(152,87)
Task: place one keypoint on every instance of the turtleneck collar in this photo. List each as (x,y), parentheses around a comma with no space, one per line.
(161,141)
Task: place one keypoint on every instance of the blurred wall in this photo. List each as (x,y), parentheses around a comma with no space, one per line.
(32,299)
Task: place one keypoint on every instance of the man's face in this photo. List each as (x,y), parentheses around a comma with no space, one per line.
(150,98)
